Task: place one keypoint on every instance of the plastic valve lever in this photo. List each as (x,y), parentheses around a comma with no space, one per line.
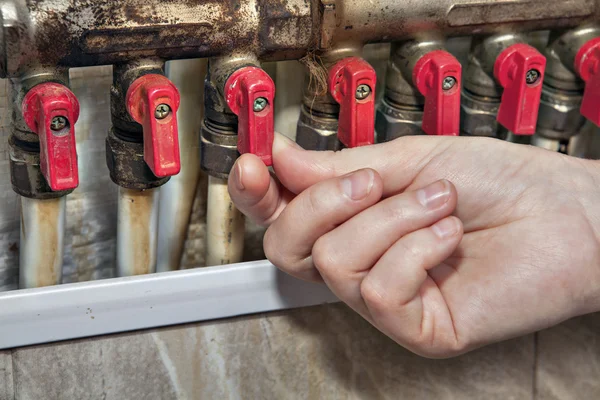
(51,110)
(438,76)
(520,71)
(352,84)
(249,93)
(152,101)
(587,65)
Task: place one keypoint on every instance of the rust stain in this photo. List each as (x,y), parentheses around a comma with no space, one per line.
(48,215)
(139,205)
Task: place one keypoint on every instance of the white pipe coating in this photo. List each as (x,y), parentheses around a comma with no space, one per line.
(177,195)
(42,238)
(224,226)
(137,229)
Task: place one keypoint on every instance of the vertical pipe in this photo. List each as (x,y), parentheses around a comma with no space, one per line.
(288,101)
(137,231)
(224,226)
(177,195)
(41,246)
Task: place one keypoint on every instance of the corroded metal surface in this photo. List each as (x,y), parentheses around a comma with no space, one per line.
(95,32)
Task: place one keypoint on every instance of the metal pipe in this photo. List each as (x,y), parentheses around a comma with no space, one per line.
(287,106)
(137,231)
(177,197)
(41,246)
(224,226)
(80,33)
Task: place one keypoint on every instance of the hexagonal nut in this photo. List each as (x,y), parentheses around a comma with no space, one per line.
(316,132)
(392,122)
(559,117)
(476,122)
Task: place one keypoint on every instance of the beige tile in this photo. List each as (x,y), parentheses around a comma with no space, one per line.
(328,352)
(112,368)
(324,352)
(7,391)
(569,360)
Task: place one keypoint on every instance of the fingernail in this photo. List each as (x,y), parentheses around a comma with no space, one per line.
(239,183)
(435,195)
(359,184)
(446,228)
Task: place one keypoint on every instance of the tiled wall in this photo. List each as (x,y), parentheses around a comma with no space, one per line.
(324,352)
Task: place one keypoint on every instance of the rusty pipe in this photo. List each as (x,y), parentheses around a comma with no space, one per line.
(137,231)
(41,245)
(75,33)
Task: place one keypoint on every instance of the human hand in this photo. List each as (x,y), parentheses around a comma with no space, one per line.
(510,246)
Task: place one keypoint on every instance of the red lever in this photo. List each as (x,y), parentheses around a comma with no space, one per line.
(587,65)
(249,92)
(437,75)
(153,101)
(352,84)
(51,110)
(520,71)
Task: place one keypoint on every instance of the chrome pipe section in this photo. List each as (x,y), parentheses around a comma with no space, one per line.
(177,196)
(224,226)
(80,33)
(42,239)
(137,231)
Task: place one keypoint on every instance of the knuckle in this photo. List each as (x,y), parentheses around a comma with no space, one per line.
(396,211)
(273,251)
(323,257)
(373,297)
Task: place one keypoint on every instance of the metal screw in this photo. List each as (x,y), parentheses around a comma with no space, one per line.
(162,111)
(532,76)
(362,92)
(58,123)
(448,83)
(260,104)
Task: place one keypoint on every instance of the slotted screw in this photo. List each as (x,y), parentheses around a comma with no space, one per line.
(260,104)
(162,111)
(58,123)
(449,83)
(532,76)
(362,92)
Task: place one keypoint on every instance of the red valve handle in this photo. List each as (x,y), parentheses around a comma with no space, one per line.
(153,101)
(357,114)
(437,75)
(587,65)
(249,92)
(520,71)
(51,110)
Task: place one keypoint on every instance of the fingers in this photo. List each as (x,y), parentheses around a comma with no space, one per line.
(255,192)
(298,169)
(289,240)
(402,300)
(344,256)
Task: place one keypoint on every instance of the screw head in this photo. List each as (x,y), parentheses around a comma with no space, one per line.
(260,104)
(162,111)
(58,123)
(532,76)
(362,92)
(448,83)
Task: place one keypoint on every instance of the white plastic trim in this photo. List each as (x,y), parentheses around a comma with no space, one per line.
(56,313)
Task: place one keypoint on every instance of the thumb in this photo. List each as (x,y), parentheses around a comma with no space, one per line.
(297,169)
